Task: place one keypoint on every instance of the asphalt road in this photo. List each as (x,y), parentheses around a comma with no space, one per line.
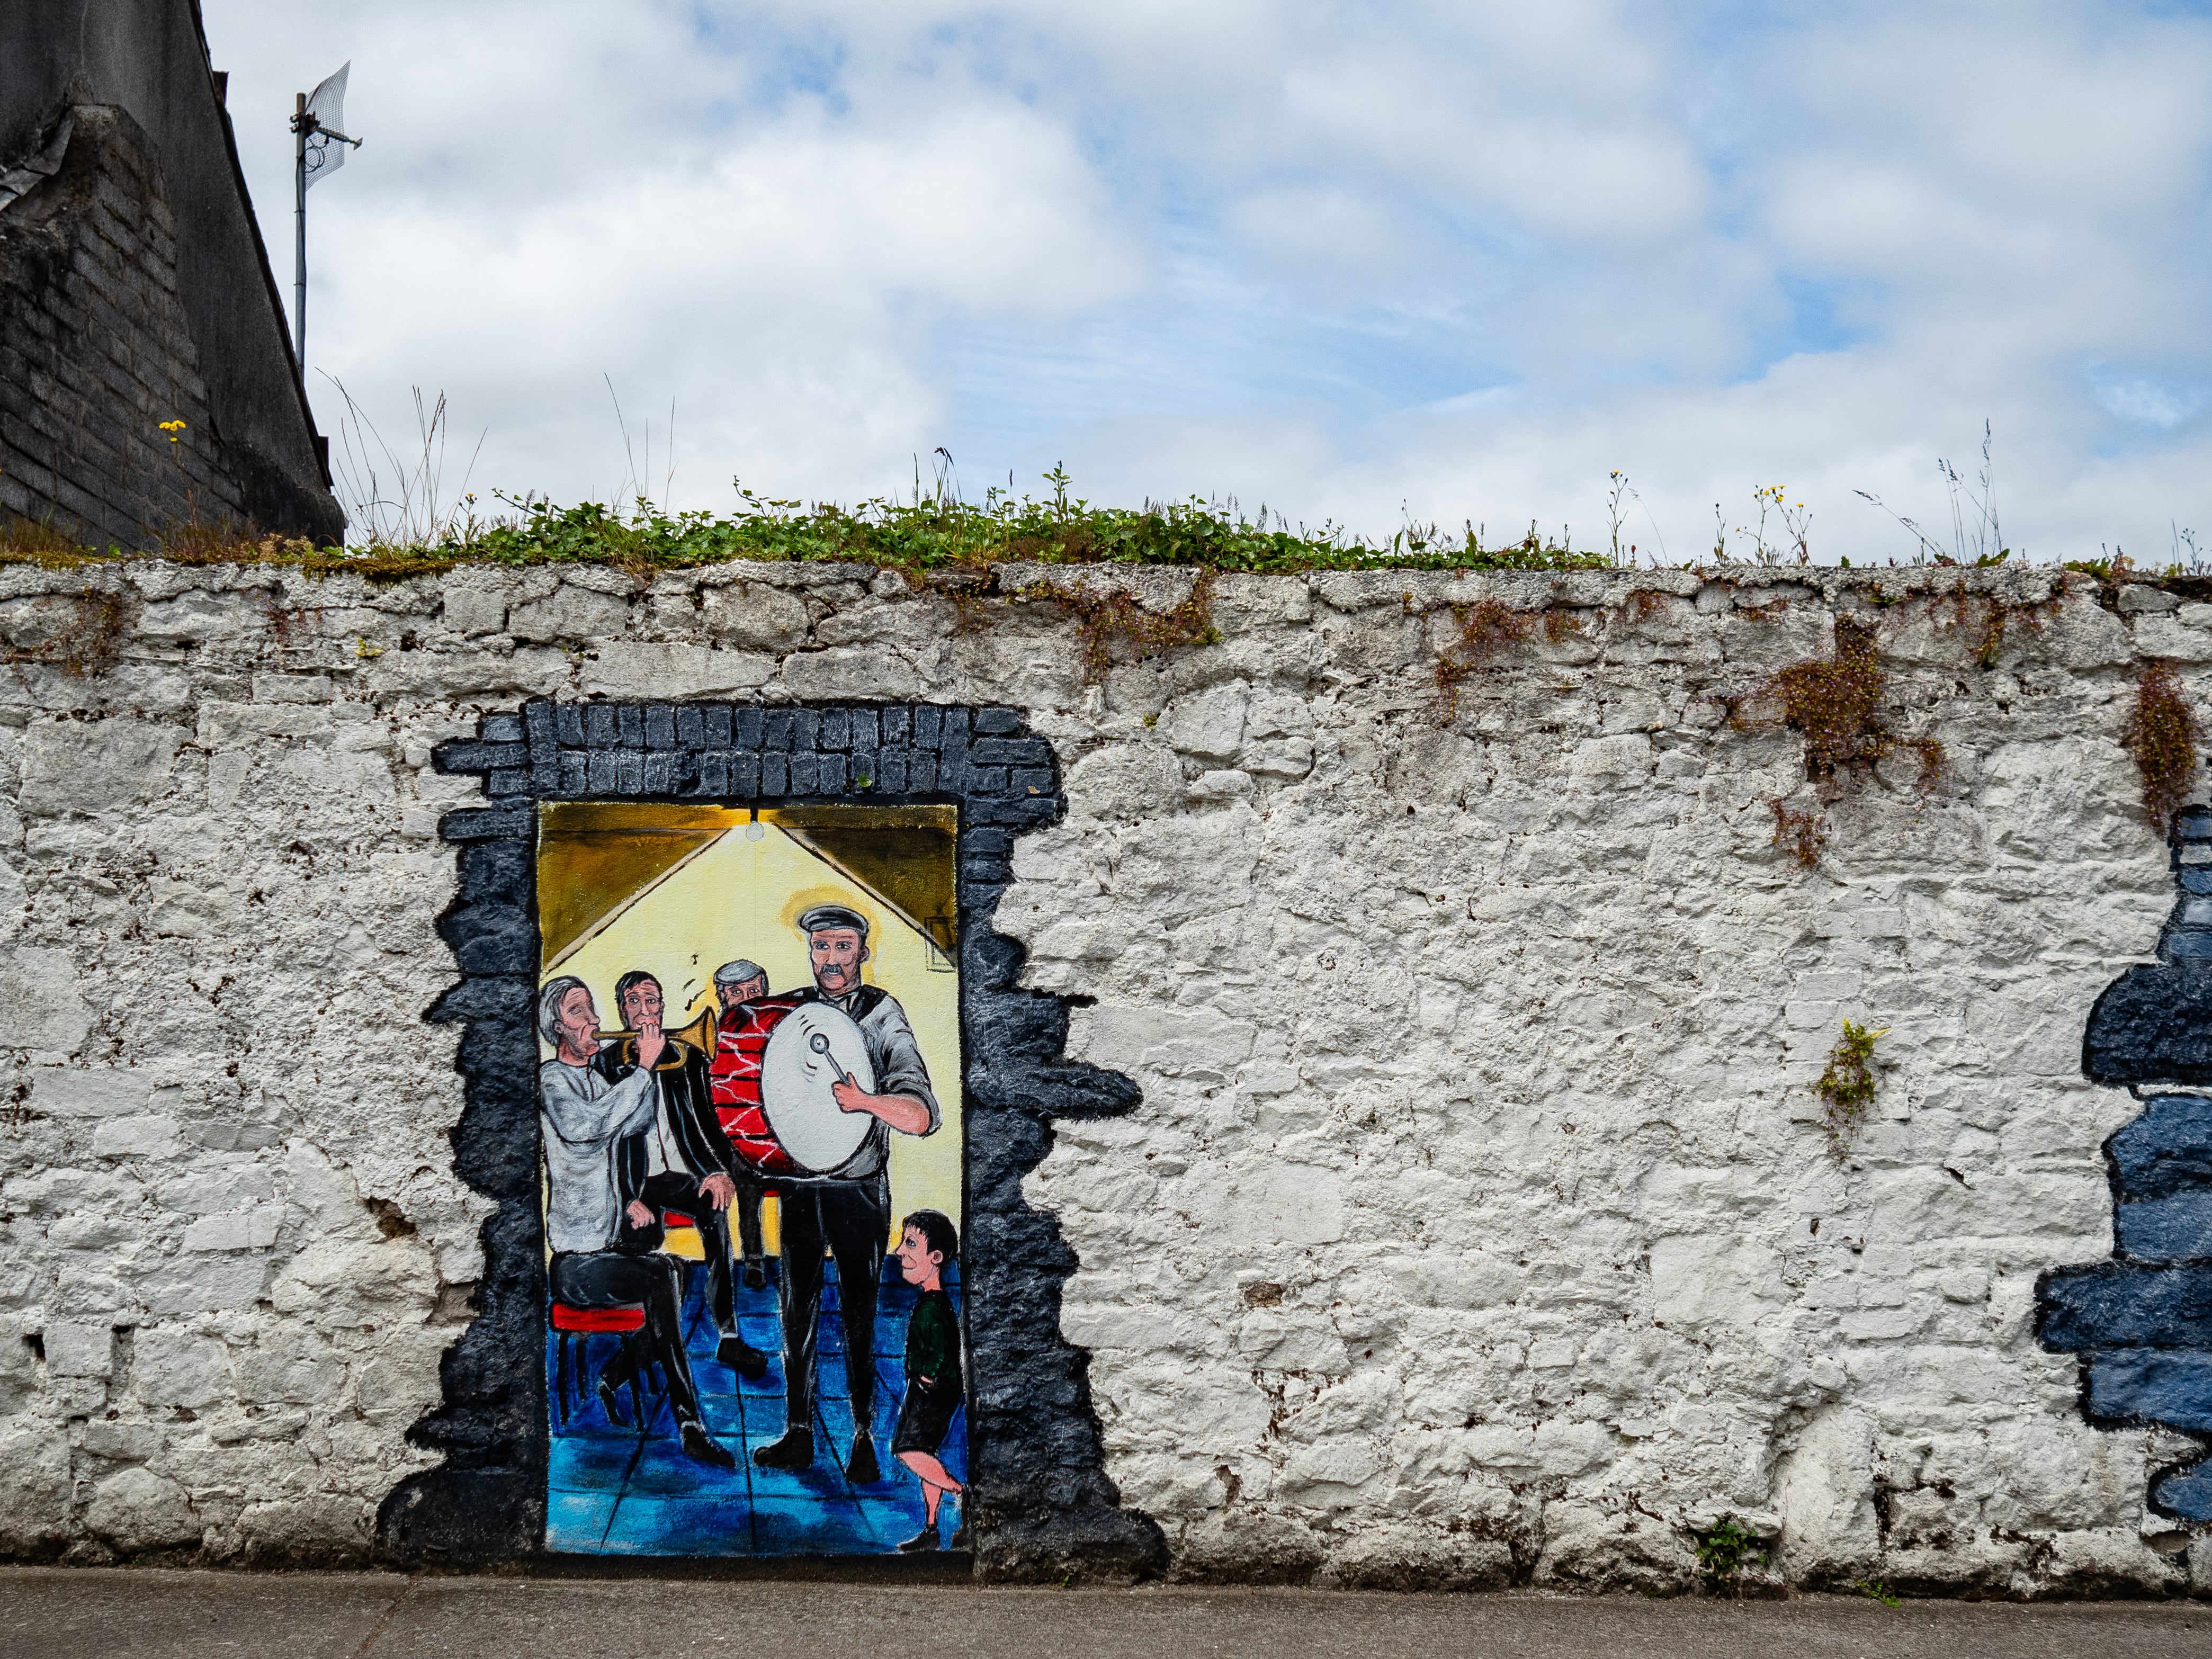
(134,1614)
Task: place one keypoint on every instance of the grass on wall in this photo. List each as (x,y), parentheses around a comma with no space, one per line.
(933,532)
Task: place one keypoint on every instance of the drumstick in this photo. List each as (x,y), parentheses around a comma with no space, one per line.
(820,1043)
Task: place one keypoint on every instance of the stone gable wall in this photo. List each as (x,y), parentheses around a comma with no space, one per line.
(1476,1225)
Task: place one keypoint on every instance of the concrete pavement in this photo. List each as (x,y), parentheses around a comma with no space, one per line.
(139,1614)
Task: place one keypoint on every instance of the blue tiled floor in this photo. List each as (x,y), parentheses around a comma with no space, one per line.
(612,1492)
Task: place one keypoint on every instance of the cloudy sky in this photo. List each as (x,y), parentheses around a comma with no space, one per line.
(1457,260)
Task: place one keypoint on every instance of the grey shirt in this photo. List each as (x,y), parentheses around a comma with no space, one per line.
(897,1058)
(583,1117)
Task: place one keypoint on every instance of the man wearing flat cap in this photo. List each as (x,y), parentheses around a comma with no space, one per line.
(847,1211)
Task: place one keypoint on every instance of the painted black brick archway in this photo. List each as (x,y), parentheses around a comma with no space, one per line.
(1041,1504)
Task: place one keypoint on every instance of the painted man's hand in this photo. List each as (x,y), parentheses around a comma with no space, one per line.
(850,1096)
(639,1215)
(651,1040)
(720,1190)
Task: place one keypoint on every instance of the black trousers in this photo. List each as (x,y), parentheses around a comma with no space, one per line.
(747,1204)
(614,1279)
(852,1221)
(672,1189)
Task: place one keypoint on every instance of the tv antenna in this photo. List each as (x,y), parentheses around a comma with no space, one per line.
(319,150)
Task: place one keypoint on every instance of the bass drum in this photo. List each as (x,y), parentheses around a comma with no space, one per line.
(772,1072)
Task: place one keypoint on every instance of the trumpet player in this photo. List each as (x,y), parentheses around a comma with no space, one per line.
(681,1160)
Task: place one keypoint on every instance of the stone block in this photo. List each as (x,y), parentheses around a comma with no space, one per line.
(755,616)
(173,1367)
(78,1347)
(97,1092)
(34,1473)
(97,765)
(573,614)
(135,1509)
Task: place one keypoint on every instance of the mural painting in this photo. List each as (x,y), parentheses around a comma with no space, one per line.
(751,1114)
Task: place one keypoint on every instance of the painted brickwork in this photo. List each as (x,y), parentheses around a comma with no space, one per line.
(2143,1320)
(95,353)
(1475,1225)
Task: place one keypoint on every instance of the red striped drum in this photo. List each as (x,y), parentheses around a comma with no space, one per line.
(775,1060)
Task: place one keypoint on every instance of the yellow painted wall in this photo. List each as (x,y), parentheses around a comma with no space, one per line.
(741,898)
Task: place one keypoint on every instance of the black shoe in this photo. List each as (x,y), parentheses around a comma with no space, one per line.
(959,1537)
(610,1403)
(741,1357)
(861,1469)
(794,1452)
(755,1276)
(923,1540)
(699,1448)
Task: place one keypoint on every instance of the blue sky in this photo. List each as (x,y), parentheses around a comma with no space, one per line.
(1457,261)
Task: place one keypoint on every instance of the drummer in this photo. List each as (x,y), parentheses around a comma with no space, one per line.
(848,1212)
(738,981)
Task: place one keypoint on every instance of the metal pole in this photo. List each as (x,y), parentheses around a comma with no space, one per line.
(299,219)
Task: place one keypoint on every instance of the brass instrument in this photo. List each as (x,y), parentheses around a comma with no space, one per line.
(700,1033)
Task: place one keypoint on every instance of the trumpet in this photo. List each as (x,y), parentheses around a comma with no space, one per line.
(700,1033)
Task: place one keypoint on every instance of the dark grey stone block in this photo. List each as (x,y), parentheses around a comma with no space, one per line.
(1009,751)
(462,756)
(487,823)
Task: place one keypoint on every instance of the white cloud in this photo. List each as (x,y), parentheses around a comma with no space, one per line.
(1464,256)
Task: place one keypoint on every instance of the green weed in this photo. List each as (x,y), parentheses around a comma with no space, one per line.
(1847,1086)
(1723,1554)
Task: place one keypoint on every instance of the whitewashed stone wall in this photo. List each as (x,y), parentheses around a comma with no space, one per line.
(1477,1225)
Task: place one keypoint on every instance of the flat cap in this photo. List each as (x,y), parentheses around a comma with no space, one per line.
(833,915)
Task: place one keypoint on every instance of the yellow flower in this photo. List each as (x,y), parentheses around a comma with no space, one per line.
(173,428)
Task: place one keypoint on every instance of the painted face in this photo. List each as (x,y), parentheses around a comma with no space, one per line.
(744,991)
(915,1259)
(578,1021)
(641,1001)
(836,954)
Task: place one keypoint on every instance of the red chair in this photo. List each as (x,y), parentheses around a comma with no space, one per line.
(579,1325)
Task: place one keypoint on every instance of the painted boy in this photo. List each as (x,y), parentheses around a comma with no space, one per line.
(927,1243)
